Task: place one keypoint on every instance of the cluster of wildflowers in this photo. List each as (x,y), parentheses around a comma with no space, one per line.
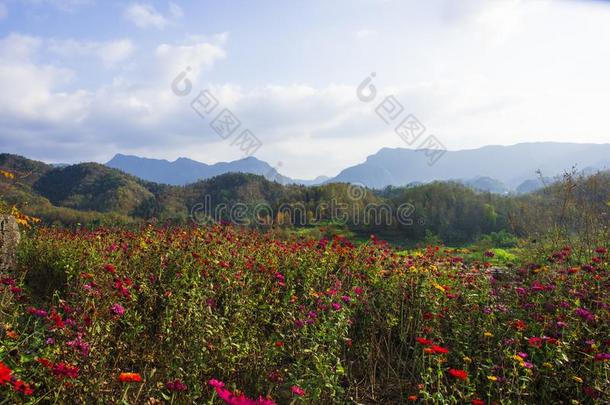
(241,317)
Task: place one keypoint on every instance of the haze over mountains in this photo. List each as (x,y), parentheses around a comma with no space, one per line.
(497,169)
(184,171)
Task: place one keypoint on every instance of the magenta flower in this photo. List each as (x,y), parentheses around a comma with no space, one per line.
(584,313)
(117,309)
(229,398)
(79,344)
(296,390)
(216,383)
(602,356)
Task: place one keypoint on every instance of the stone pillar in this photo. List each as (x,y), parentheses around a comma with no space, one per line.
(9,240)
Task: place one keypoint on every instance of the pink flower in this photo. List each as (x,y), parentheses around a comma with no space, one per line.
(117,309)
(336,306)
(296,390)
(229,398)
(216,384)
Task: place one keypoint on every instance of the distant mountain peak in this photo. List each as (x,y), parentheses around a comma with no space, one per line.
(494,165)
(184,170)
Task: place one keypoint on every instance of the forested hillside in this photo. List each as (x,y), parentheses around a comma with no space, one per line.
(90,193)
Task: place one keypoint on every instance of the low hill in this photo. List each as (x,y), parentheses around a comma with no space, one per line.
(94,187)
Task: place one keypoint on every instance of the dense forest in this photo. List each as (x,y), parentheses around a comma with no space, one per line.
(93,194)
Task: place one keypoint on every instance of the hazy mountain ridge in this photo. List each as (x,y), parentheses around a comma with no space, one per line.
(498,169)
(185,171)
(510,165)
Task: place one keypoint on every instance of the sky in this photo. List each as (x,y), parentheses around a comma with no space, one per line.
(82,80)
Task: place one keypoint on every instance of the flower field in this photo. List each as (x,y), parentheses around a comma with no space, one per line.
(227,315)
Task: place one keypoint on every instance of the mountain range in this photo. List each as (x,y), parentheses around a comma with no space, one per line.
(498,169)
(94,194)
(184,171)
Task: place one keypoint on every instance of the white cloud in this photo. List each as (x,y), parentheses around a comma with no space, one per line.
(175,11)
(110,53)
(145,15)
(114,52)
(17,47)
(63,5)
(366,33)
(39,102)
(172,59)
(30,91)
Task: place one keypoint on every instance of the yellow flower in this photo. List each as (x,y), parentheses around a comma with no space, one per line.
(438,287)
(488,334)
(6,174)
(547,365)
(577,379)
(467,359)
(492,378)
(23,219)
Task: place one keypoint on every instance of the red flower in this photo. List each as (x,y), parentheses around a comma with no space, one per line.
(176,385)
(439,350)
(519,324)
(110,269)
(65,370)
(45,362)
(5,373)
(23,387)
(130,377)
(535,342)
(477,402)
(459,374)
(424,341)
(56,318)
